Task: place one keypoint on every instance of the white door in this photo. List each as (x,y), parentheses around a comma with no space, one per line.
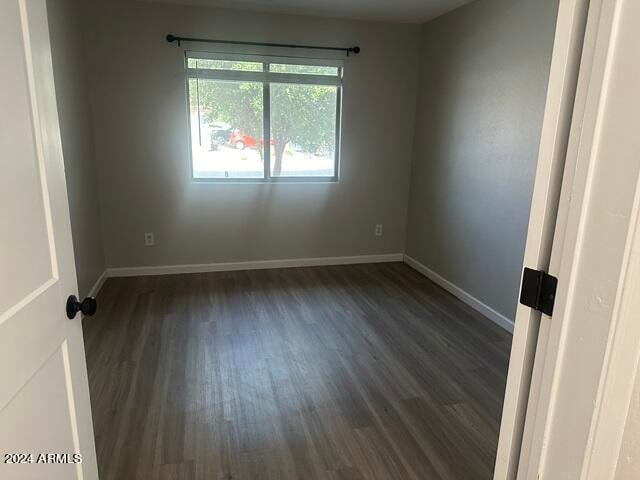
(565,64)
(44,398)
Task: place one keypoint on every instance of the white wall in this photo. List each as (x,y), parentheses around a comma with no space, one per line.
(485,69)
(140,124)
(65,25)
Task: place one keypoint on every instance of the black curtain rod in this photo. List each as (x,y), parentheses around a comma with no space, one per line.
(173,38)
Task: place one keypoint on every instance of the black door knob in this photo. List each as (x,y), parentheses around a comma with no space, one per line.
(88,306)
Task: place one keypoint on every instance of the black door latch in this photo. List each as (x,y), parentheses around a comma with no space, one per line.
(538,290)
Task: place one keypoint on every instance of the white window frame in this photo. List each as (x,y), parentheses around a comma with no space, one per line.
(267,78)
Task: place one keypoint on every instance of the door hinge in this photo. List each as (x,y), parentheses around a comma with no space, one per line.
(538,290)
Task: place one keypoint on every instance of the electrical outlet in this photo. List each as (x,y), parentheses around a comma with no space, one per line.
(378,230)
(149,239)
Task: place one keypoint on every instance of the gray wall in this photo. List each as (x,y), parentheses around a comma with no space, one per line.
(65,25)
(141,135)
(483,80)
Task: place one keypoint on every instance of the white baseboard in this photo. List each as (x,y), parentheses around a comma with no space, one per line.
(467,298)
(256,265)
(98,285)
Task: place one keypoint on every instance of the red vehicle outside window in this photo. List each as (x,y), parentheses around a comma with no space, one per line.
(242,141)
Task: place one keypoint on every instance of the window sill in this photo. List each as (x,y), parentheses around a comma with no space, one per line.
(265,181)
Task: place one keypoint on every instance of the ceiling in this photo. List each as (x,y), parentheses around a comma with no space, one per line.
(405,11)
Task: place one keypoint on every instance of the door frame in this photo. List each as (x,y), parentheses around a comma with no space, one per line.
(586,356)
(581,380)
(571,23)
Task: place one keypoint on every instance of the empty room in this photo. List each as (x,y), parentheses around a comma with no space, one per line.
(305,239)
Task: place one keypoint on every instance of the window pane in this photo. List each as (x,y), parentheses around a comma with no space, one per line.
(206,63)
(226,129)
(303,69)
(303,130)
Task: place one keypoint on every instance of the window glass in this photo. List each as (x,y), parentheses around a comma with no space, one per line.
(303,130)
(205,63)
(303,69)
(226,129)
(229,116)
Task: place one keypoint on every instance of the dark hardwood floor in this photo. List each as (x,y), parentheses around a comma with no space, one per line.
(343,373)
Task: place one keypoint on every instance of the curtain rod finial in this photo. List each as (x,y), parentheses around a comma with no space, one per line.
(171,38)
(356,49)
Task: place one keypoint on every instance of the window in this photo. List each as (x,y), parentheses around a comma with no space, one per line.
(235,102)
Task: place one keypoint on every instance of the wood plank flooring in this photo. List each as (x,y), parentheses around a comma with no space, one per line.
(342,373)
